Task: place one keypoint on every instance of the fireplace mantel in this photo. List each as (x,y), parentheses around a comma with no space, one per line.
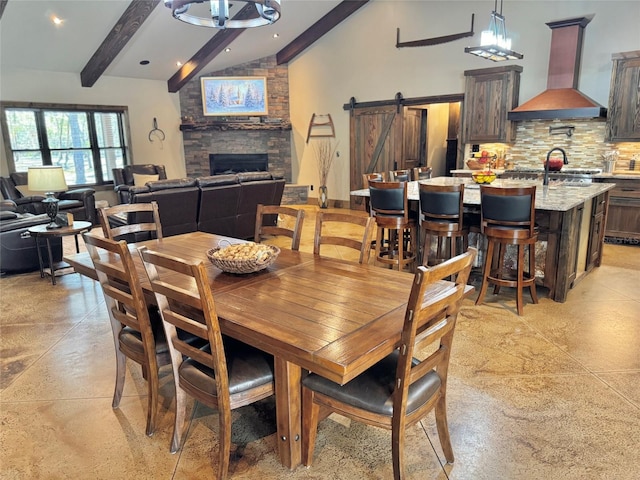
(224,126)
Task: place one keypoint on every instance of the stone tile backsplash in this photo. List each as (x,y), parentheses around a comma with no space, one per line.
(584,147)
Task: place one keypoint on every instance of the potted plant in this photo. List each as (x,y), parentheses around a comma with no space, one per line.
(325,151)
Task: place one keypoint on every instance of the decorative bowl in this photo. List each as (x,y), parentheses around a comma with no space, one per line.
(241,258)
(485,176)
(555,164)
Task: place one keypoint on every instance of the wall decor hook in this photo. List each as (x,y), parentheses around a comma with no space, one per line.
(156,132)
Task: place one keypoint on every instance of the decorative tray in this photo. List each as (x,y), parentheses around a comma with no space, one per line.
(241,258)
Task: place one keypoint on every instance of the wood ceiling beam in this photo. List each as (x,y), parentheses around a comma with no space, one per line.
(3,3)
(210,50)
(124,29)
(318,29)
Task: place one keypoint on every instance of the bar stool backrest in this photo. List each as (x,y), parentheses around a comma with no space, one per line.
(422,173)
(372,177)
(442,203)
(389,199)
(399,175)
(508,206)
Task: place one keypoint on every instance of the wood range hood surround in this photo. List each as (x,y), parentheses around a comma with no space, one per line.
(562,99)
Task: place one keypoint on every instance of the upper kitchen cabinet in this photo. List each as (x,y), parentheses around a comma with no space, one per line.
(623,121)
(490,93)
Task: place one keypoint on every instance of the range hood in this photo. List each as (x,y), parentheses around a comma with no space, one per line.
(562,99)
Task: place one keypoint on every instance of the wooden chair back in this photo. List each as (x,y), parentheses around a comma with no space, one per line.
(326,220)
(129,316)
(123,211)
(421,360)
(186,304)
(422,173)
(281,216)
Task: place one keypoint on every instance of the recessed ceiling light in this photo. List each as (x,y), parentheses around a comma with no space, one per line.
(227,49)
(56,20)
(178,63)
(144,62)
(276,35)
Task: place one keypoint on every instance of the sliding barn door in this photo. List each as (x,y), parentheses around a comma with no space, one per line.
(375,144)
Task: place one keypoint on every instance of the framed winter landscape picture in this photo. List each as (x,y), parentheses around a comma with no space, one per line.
(226,96)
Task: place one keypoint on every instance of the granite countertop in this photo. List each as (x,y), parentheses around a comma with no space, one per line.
(627,174)
(468,171)
(558,196)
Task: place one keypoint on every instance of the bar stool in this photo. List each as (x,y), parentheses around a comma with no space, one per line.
(508,218)
(422,173)
(400,175)
(389,206)
(442,219)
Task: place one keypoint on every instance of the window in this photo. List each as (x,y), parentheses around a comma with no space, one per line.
(86,142)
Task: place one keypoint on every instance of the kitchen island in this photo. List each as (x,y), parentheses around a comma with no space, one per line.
(570,216)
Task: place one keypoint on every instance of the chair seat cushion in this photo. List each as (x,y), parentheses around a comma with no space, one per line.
(247,367)
(373,389)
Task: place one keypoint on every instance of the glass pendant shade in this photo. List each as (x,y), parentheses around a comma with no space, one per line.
(495,45)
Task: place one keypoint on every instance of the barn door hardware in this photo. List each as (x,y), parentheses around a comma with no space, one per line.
(323,125)
(435,40)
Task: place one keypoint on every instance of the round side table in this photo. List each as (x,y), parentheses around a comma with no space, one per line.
(41,231)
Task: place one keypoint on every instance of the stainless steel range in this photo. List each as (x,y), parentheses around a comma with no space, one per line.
(579,175)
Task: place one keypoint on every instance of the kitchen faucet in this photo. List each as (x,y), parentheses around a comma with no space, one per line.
(546,164)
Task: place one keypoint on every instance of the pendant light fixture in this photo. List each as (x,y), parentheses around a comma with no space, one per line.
(494,43)
(268,13)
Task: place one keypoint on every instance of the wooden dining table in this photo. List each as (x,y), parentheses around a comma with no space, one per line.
(329,316)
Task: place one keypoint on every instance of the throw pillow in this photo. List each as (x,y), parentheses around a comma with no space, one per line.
(140,180)
(24,190)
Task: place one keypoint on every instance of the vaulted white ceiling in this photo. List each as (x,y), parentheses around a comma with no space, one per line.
(30,40)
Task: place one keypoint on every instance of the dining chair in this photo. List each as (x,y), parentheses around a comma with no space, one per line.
(403,175)
(327,223)
(137,330)
(390,208)
(402,388)
(508,218)
(442,220)
(422,173)
(225,374)
(275,220)
(126,220)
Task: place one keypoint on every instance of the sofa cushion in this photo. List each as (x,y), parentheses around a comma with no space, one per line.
(171,183)
(140,180)
(5,215)
(25,192)
(254,176)
(217,180)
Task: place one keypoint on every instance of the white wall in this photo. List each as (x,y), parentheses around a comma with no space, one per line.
(145,99)
(359,59)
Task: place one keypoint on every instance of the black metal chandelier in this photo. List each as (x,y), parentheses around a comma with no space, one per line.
(494,43)
(268,13)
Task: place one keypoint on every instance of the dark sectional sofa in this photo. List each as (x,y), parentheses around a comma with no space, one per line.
(221,204)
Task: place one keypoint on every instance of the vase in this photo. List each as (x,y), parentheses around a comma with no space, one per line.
(323,199)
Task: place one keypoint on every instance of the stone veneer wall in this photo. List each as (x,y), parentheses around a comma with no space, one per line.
(584,148)
(200,142)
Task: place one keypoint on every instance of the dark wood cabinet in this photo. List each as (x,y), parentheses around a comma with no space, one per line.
(623,117)
(596,235)
(490,93)
(623,216)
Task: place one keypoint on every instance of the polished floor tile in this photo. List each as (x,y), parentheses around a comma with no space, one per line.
(552,394)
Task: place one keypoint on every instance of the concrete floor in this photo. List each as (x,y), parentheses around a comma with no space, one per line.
(553,394)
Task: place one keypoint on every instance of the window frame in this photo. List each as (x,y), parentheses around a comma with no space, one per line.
(39,110)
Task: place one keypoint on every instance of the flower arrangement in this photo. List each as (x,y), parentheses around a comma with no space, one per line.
(325,151)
